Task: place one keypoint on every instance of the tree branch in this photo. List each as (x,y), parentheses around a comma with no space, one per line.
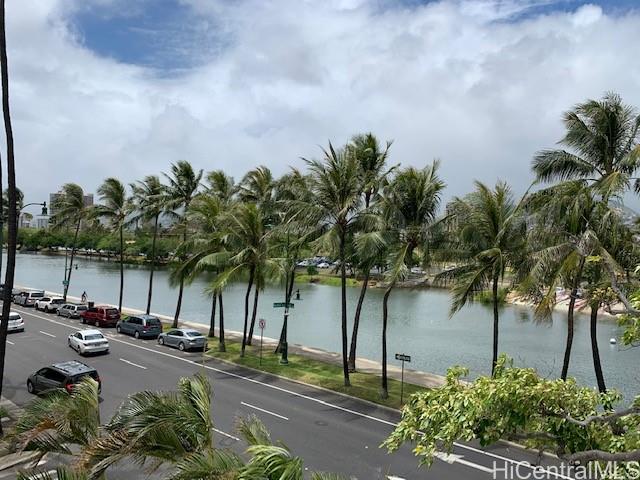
(609,418)
(602,456)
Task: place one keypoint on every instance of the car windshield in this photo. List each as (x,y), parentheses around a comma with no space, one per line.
(14,317)
(57,300)
(112,311)
(37,295)
(93,336)
(193,334)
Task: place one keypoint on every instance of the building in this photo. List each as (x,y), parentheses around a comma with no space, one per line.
(53,197)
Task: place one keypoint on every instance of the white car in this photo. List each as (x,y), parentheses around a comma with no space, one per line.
(88,341)
(417,270)
(16,324)
(324,265)
(48,304)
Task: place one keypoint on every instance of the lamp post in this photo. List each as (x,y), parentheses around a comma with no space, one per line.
(19,212)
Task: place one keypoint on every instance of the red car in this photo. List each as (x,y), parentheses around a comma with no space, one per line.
(101,316)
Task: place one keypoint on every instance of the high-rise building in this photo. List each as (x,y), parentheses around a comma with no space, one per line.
(53,197)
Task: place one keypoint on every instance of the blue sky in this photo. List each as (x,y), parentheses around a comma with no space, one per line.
(169,36)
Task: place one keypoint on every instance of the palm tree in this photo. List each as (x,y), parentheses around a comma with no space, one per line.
(148,203)
(70,211)
(602,138)
(371,158)
(489,238)
(115,208)
(408,209)
(59,423)
(335,188)
(182,188)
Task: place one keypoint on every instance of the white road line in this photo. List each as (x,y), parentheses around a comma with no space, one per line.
(226,434)
(47,334)
(263,410)
(134,364)
(451,458)
(312,399)
(10,342)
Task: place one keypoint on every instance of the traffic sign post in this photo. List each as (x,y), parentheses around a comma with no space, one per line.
(403,358)
(283,305)
(262,323)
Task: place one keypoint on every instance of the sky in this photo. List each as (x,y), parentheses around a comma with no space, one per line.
(124,88)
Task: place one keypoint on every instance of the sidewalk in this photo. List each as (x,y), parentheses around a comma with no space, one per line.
(424,379)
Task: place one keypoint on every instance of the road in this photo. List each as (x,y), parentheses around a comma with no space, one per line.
(331,432)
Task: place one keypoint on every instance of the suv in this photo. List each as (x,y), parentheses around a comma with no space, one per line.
(140,326)
(61,375)
(27,299)
(71,310)
(101,316)
(48,304)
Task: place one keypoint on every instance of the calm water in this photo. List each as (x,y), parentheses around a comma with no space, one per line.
(419,324)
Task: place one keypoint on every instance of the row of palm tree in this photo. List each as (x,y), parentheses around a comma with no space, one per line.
(172,431)
(351,205)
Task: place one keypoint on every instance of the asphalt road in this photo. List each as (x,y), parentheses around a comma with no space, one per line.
(330,431)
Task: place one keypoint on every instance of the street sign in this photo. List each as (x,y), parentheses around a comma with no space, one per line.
(282,305)
(65,283)
(262,323)
(403,357)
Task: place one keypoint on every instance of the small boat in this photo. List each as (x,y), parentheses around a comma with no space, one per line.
(613,341)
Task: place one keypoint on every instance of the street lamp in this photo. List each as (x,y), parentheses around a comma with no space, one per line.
(42,204)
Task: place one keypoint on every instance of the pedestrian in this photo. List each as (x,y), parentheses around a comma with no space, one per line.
(84,297)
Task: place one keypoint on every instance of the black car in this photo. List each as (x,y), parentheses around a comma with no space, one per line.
(61,375)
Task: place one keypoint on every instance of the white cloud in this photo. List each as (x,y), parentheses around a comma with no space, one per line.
(477,84)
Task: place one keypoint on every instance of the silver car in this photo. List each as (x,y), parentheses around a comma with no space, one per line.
(184,339)
(70,310)
(16,324)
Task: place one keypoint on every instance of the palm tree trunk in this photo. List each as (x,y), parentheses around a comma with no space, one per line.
(221,345)
(356,323)
(181,289)
(153,263)
(212,320)
(343,287)
(570,312)
(73,254)
(594,348)
(121,268)
(253,316)
(384,393)
(11,184)
(288,291)
(496,325)
(246,311)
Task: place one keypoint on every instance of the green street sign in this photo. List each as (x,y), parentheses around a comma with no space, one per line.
(282,305)
(65,282)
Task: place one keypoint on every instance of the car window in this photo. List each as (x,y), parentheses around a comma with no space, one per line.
(93,336)
(175,333)
(45,299)
(194,334)
(54,375)
(78,335)
(81,307)
(14,317)
(153,322)
(111,311)
(57,301)
(135,321)
(37,295)
(42,371)
(78,378)
(92,310)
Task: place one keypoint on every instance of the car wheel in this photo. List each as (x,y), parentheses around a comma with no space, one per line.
(69,343)
(58,313)
(30,387)
(81,350)
(96,323)
(136,334)
(161,340)
(83,320)
(118,329)
(181,347)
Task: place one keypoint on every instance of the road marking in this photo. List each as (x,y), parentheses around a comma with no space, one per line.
(316,400)
(10,342)
(263,410)
(225,434)
(452,458)
(134,364)
(47,334)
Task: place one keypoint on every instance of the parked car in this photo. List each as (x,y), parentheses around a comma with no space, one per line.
(48,304)
(27,299)
(88,341)
(61,375)
(417,270)
(16,323)
(140,326)
(71,310)
(324,265)
(101,316)
(183,339)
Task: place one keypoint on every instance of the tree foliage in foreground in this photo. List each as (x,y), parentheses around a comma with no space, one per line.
(577,423)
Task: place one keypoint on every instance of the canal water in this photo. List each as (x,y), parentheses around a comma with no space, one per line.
(419,322)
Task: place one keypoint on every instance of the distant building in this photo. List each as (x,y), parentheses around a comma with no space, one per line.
(53,197)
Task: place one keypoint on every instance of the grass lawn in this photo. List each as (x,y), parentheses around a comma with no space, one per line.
(325,279)
(326,375)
